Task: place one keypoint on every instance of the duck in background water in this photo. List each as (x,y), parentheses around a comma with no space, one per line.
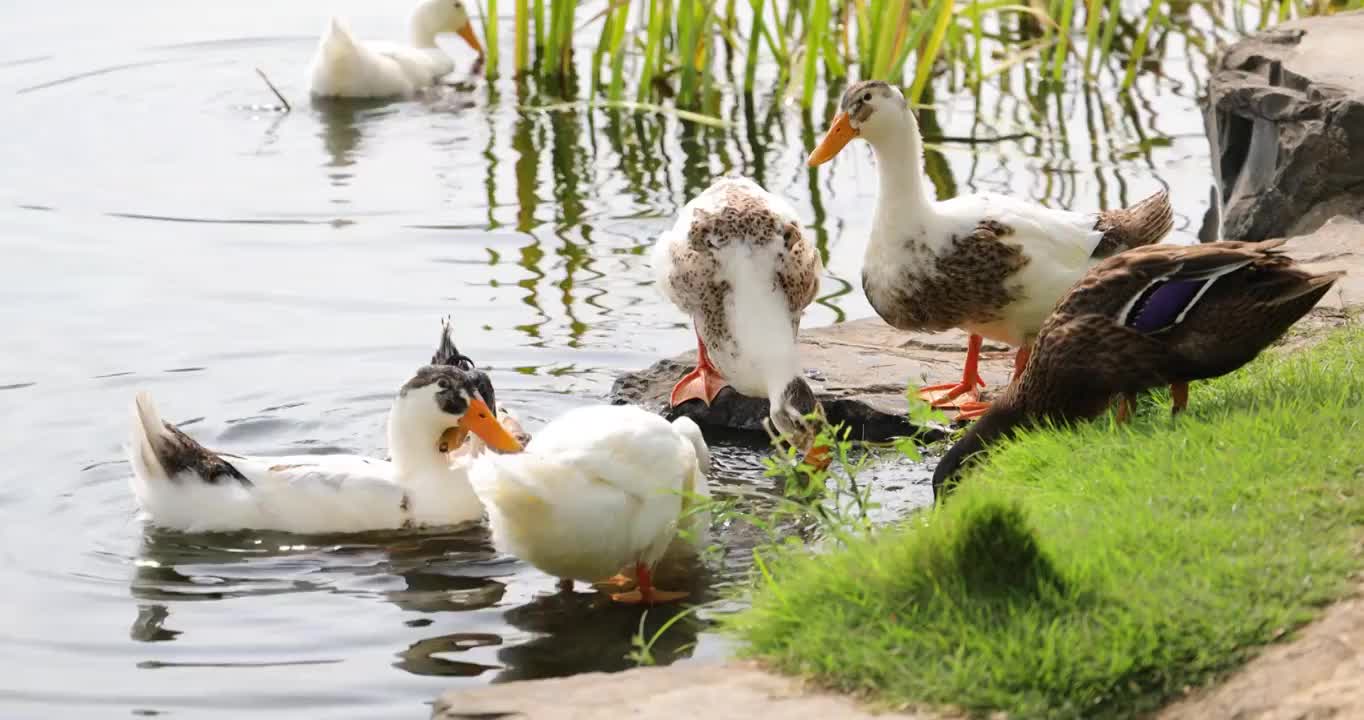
(182,485)
(738,264)
(1158,315)
(989,264)
(345,67)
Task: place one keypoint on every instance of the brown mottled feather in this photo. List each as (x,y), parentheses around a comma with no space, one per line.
(969,284)
(743,217)
(1145,223)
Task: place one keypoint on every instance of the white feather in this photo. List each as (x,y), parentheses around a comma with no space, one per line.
(596,491)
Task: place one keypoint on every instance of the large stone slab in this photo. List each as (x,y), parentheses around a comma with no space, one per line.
(859,371)
(1286,126)
(729,691)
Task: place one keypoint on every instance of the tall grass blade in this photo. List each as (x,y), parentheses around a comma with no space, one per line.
(521,52)
(1139,47)
(1062,39)
(490,38)
(818,19)
(943,12)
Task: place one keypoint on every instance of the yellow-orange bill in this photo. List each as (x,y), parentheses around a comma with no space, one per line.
(480,421)
(839,135)
(467,32)
(819,457)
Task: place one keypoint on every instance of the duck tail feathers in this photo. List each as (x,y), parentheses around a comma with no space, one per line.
(336,38)
(147,428)
(160,452)
(1145,223)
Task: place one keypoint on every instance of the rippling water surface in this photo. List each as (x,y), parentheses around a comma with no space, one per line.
(273,278)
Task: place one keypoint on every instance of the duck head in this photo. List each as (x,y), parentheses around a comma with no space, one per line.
(444,403)
(436,17)
(871,110)
(789,415)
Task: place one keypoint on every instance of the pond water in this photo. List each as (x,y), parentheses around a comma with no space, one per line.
(273,278)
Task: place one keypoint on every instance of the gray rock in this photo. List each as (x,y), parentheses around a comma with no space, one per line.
(859,371)
(1286,125)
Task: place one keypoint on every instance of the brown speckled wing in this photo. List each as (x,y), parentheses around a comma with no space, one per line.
(972,282)
(799,269)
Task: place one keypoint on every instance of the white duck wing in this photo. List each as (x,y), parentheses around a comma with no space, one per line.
(423,66)
(184,486)
(597,489)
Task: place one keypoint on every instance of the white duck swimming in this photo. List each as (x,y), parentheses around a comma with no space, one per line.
(598,491)
(184,486)
(345,67)
(990,264)
(738,264)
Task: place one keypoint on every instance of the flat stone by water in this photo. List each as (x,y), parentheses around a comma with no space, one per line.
(859,371)
(728,691)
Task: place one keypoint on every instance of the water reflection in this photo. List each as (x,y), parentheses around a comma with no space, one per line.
(342,128)
(579,630)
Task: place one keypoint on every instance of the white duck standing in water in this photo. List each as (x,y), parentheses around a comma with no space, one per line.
(738,264)
(599,491)
(345,67)
(182,485)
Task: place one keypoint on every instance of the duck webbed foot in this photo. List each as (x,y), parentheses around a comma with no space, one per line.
(704,382)
(971,410)
(646,593)
(946,395)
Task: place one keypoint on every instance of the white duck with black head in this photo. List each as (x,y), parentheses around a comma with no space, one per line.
(739,265)
(182,485)
(989,264)
(346,67)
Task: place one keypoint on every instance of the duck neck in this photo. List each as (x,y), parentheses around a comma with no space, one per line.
(903,206)
(438,494)
(423,28)
(1003,419)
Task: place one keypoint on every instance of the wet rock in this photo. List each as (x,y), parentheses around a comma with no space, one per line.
(729,691)
(1286,124)
(859,371)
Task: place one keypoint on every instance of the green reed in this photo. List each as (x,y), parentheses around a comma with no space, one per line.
(659,51)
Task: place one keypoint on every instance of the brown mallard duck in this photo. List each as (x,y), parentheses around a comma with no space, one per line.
(1155,315)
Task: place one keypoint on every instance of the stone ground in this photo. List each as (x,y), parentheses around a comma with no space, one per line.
(1316,673)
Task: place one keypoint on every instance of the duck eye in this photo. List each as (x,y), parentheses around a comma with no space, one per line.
(867,97)
(444,383)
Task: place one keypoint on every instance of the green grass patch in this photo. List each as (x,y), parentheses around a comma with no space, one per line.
(1096,572)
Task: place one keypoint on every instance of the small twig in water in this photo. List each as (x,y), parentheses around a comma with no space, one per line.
(275,90)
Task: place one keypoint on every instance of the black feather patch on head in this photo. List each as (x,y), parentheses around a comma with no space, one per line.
(454,387)
(862,92)
(447,353)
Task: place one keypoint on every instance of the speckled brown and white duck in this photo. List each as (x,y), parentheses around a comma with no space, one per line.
(989,264)
(182,485)
(739,265)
